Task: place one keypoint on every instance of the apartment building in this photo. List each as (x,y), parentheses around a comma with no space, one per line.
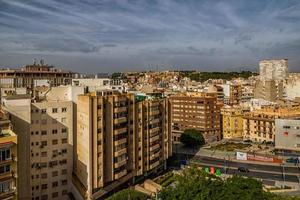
(273,69)
(118,138)
(287,135)
(36,74)
(196,111)
(232,122)
(153,141)
(45,137)
(259,125)
(8,159)
(232,93)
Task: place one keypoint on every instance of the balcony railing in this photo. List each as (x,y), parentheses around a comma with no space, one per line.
(121,141)
(120,152)
(154,147)
(120,174)
(120,163)
(120,109)
(120,131)
(120,120)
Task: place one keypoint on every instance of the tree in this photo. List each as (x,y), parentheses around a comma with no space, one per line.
(194,184)
(128,194)
(192,138)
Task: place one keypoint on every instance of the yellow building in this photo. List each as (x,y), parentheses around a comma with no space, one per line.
(259,125)
(8,158)
(232,122)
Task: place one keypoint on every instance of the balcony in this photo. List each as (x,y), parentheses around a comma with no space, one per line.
(6,175)
(152,139)
(120,131)
(120,174)
(153,148)
(120,163)
(154,103)
(121,141)
(120,109)
(154,121)
(120,120)
(156,155)
(154,130)
(152,166)
(8,194)
(120,152)
(154,112)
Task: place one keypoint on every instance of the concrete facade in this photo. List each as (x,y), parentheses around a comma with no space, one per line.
(118,138)
(45,139)
(287,134)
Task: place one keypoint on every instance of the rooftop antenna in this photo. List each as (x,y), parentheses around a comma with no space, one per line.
(42,62)
(34,61)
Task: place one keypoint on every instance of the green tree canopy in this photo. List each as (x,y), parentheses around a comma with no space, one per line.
(128,194)
(194,184)
(192,138)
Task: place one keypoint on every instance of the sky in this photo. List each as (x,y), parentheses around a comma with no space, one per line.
(98,36)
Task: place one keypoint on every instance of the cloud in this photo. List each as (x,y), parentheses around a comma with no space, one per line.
(141,32)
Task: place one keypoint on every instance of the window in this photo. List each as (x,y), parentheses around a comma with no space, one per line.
(63,120)
(44,132)
(64,171)
(4,169)
(54,110)
(64,182)
(63,130)
(55,173)
(55,184)
(44,154)
(44,186)
(43,111)
(54,142)
(44,197)
(63,141)
(44,175)
(64,110)
(64,192)
(5,186)
(44,143)
(5,154)
(54,131)
(55,194)
(64,151)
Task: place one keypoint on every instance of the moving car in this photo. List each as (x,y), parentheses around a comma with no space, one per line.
(243,169)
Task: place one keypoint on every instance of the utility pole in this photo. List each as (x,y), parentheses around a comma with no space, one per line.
(283,173)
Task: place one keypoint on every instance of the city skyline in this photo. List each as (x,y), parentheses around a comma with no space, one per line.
(108,36)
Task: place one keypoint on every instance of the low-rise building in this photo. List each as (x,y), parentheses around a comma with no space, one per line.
(259,125)
(232,122)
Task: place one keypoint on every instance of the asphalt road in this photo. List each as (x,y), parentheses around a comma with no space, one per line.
(266,172)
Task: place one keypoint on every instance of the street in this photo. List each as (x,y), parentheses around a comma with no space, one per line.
(260,171)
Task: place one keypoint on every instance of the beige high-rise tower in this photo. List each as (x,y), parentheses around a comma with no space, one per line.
(118,138)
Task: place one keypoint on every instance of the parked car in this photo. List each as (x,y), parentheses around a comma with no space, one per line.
(243,169)
(247,142)
(292,160)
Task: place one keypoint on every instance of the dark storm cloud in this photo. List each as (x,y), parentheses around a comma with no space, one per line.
(130,34)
